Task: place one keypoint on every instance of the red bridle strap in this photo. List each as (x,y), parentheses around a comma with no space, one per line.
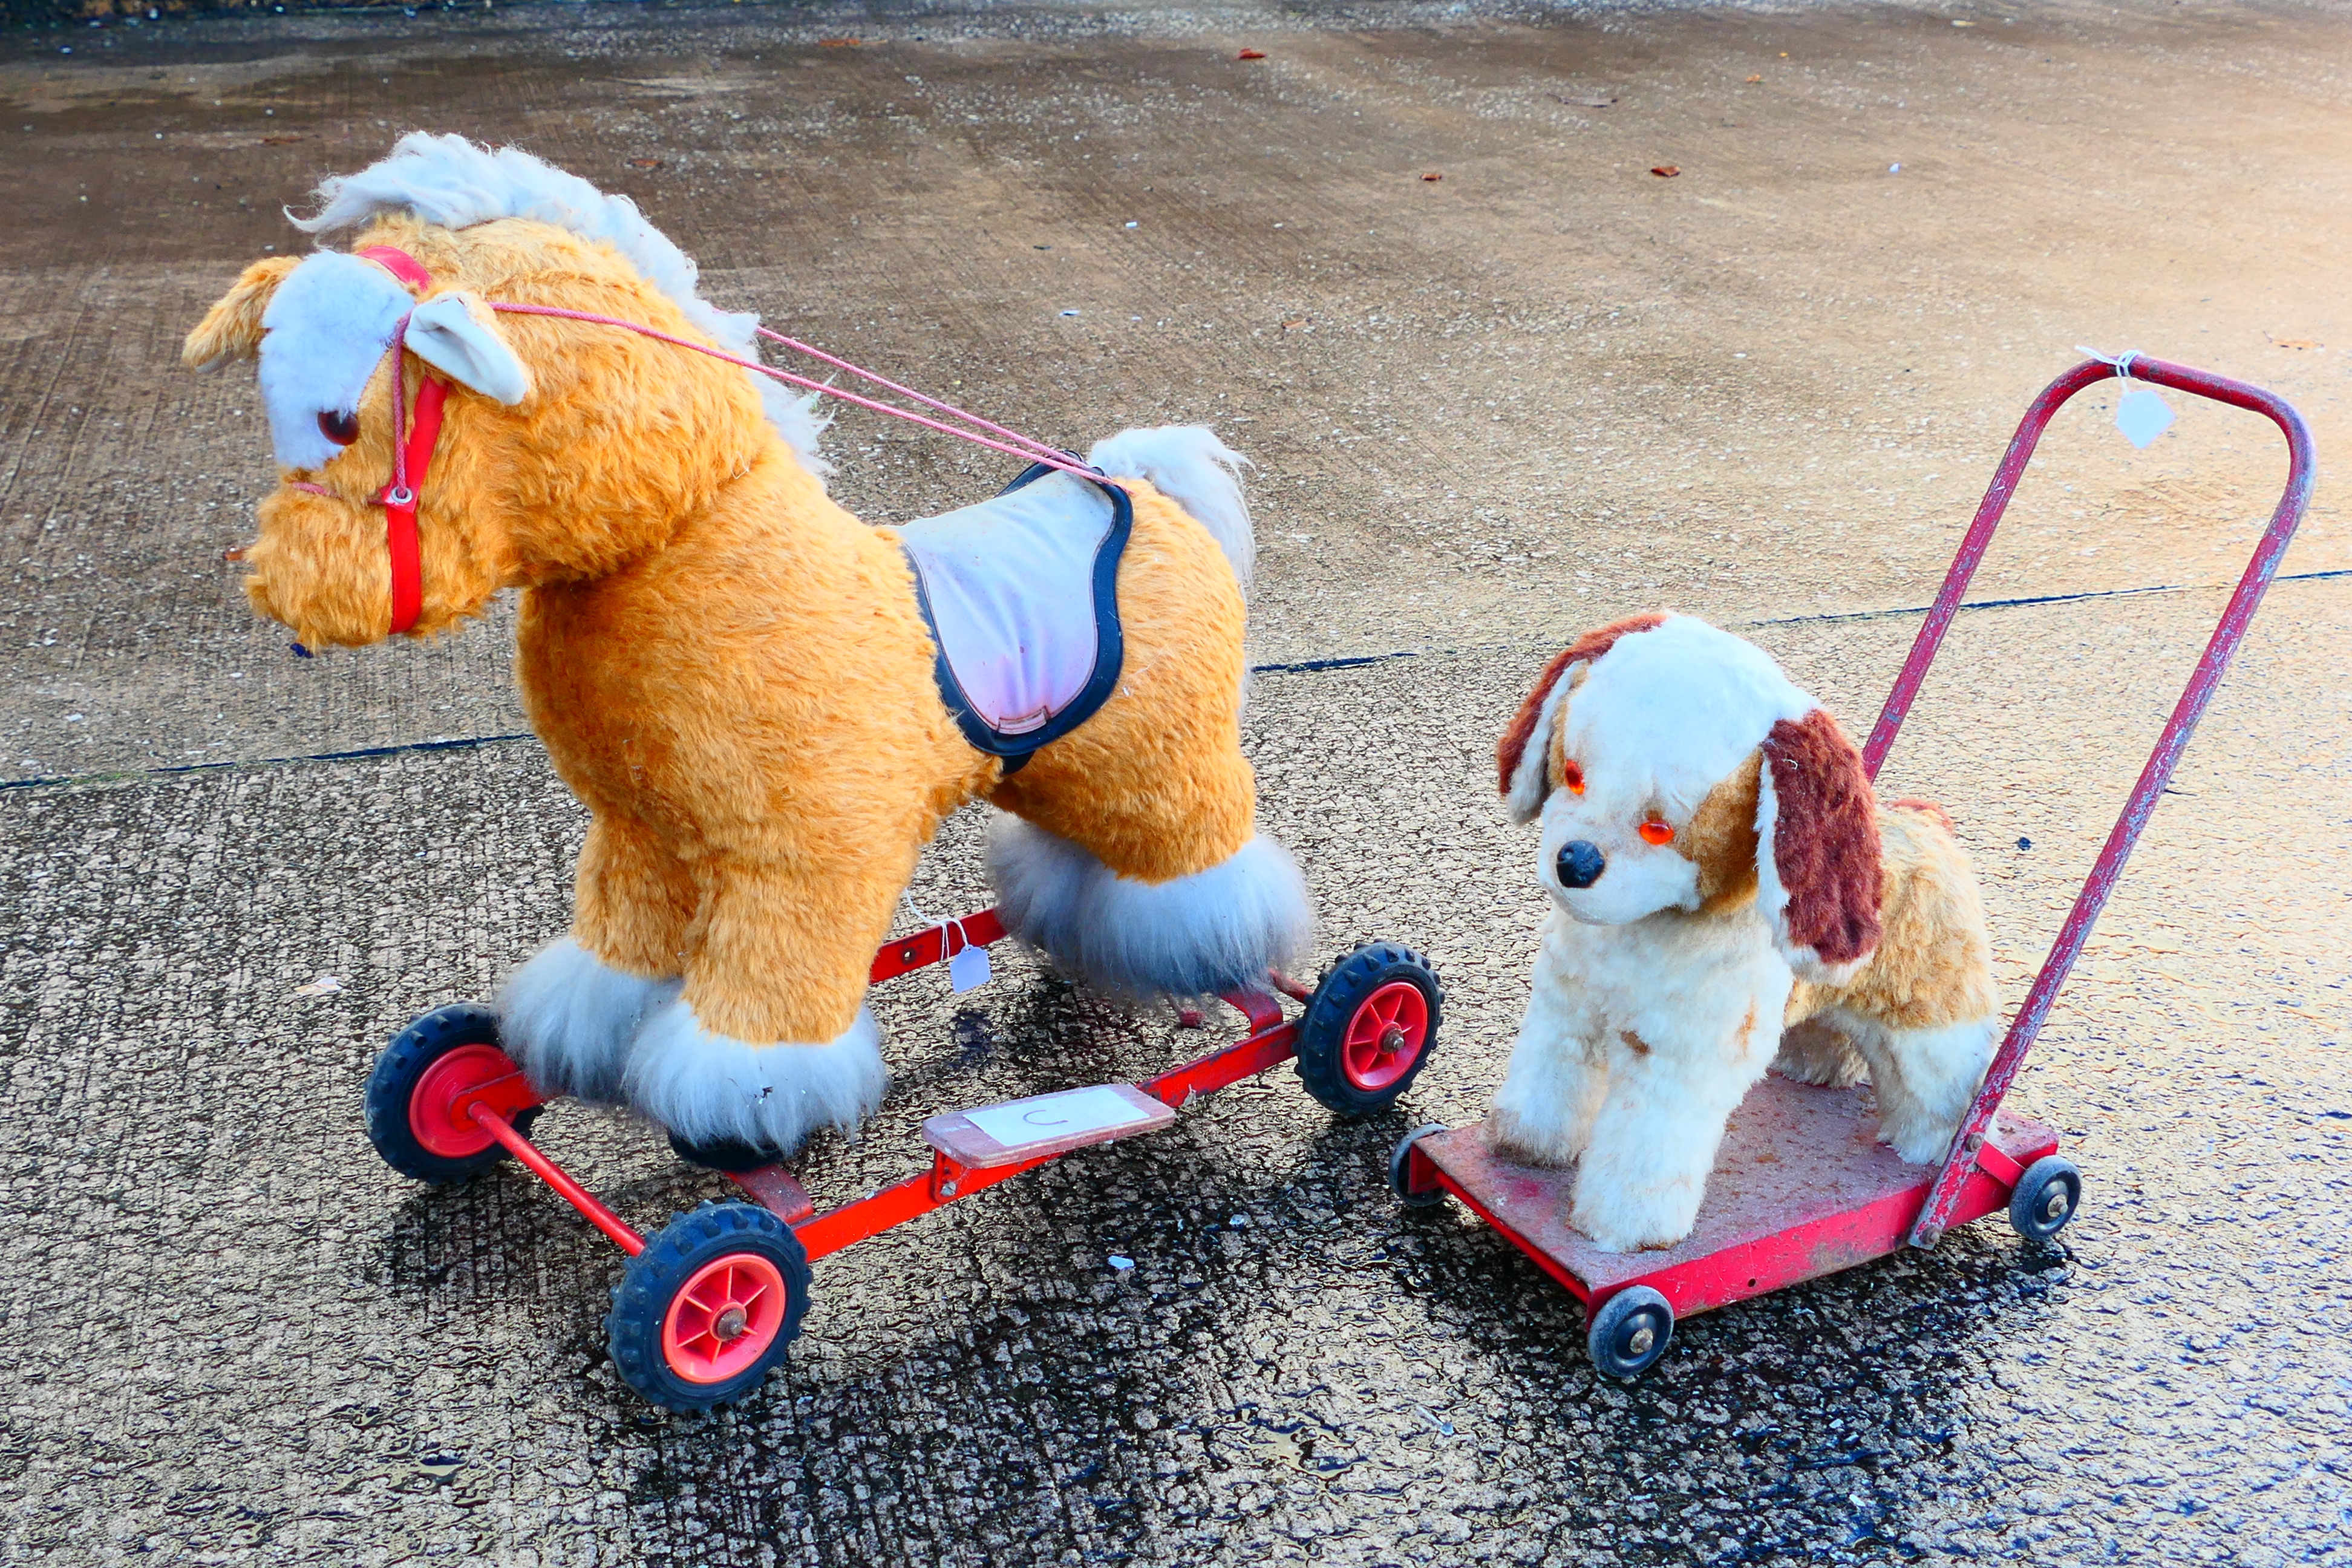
(412,451)
(401,265)
(400,538)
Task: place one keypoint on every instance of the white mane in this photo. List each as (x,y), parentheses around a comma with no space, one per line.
(450,181)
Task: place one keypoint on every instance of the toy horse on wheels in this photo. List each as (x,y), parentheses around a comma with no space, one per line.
(768,707)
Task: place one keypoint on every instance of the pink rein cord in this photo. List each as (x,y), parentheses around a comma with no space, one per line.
(797,346)
(1029,451)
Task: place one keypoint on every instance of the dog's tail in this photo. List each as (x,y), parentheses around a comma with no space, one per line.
(1190,467)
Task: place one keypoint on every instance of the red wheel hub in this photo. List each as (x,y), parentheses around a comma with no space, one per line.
(724,1319)
(1386,1035)
(433,1107)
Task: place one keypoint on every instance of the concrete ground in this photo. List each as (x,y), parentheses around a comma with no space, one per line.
(1489,410)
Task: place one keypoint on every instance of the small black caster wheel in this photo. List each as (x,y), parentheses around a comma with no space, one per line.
(1630,1331)
(2046,1197)
(1369,1028)
(413,1092)
(707,1308)
(1401,1170)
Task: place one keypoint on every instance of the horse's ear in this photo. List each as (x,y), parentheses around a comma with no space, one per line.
(232,327)
(457,335)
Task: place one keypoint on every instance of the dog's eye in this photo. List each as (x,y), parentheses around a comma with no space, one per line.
(1572,778)
(343,429)
(1657,830)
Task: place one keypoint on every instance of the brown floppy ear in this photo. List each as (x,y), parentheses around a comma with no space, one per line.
(1523,756)
(1817,856)
(232,327)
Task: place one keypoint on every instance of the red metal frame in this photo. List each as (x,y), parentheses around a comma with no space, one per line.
(1425,1177)
(1766,1264)
(547,1171)
(1272,1040)
(931,944)
(1976,1176)
(1937,1213)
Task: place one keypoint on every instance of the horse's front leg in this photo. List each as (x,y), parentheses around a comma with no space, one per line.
(770,1039)
(570,1015)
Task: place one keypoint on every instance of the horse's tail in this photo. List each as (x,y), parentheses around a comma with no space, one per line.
(1190,467)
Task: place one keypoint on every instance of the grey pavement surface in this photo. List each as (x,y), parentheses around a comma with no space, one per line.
(1547,390)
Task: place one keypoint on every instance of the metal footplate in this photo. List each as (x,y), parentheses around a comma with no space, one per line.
(1021,1130)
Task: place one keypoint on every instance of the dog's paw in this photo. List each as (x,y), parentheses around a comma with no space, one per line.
(1827,1075)
(1917,1141)
(1513,1138)
(1814,1052)
(1635,1221)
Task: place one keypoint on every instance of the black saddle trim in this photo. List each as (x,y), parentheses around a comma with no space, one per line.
(1110,642)
(1039,470)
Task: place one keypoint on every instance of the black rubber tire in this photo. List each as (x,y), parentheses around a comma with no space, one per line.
(1631,1332)
(1323,1028)
(2046,1197)
(633,1330)
(418,1047)
(1398,1158)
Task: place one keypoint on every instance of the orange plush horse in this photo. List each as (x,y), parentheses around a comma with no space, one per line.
(767,706)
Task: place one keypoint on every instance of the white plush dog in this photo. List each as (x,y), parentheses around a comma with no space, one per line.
(1722,869)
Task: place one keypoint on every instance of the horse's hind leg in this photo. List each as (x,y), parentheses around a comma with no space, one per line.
(1136,864)
(1160,894)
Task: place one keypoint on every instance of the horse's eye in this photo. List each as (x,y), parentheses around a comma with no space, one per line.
(343,429)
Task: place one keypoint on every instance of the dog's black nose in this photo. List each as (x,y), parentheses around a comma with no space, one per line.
(1581,864)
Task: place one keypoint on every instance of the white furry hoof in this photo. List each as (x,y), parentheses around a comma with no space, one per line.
(713,1088)
(568,1019)
(1218,930)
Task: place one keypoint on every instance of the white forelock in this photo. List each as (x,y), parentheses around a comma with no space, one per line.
(1669,712)
(455,183)
(325,330)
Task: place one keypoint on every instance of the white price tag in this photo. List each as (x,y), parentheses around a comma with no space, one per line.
(1056,1115)
(2141,414)
(969,970)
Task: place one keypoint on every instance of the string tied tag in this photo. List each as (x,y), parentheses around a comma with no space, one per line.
(969,968)
(2141,413)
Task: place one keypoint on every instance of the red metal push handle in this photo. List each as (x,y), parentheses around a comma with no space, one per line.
(1935,1215)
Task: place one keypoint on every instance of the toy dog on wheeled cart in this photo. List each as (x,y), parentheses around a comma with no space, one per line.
(768,707)
(1638,1083)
